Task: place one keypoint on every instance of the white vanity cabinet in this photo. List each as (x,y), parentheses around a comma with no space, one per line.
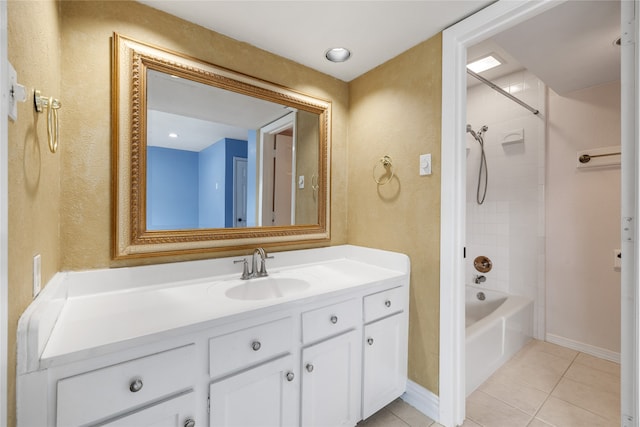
(190,355)
(385,350)
(265,395)
(331,368)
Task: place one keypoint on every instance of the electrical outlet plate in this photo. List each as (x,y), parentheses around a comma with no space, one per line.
(37,275)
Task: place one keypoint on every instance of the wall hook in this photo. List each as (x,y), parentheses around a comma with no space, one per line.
(53,127)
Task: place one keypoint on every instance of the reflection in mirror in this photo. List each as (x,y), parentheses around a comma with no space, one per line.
(203,148)
(205,158)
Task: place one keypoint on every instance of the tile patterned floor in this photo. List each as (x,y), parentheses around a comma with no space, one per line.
(543,385)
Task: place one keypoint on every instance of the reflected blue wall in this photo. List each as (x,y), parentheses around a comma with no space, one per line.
(172,189)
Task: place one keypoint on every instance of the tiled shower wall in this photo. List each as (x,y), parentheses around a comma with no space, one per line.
(509,226)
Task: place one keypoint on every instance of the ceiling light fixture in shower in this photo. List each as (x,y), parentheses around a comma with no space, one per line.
(337,54)
(485,63)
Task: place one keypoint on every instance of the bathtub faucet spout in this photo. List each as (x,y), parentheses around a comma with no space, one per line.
(477,279)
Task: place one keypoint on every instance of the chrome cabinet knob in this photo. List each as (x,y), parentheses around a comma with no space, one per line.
(136,385)
(256,345)
(189,422)
(387,303)
(309,367)
(334,319)
(370,341)
(290,376)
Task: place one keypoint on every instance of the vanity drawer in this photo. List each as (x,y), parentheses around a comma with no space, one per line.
(247,347)
(99,394)
(383,304)
(330,320)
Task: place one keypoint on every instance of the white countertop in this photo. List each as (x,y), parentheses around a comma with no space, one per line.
(82,312)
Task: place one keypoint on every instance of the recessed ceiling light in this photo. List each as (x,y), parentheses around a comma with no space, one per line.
(173,135)
(485,63)
(338,54)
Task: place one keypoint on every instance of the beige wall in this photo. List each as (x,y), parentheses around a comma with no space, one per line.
(583,220)
(34,183)
(395,110)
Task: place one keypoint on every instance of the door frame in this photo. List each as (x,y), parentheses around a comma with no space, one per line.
(486,23)
(4,227)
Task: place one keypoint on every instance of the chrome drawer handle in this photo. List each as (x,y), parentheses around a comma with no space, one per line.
(290,376)
(387,303)
(136,385)
(189,423)
(370,341)
(334,319)
(309,367)
(256,345)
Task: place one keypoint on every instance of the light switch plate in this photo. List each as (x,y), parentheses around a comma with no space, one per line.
(425,164)
(301,182)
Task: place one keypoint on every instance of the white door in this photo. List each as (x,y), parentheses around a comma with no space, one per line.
(384,374)
(264,396)
(630,280)
(176,412)
(331,382)
(282,178)
(239,192)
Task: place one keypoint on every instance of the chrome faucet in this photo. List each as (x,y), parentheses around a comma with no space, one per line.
(477,279)
(255,270)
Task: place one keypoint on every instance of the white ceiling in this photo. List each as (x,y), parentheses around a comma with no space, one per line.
(569,47)
(374,31)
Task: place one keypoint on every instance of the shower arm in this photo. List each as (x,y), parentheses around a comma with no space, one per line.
(502,91)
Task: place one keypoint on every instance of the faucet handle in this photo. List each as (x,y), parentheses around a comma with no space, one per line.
(262,272)
(245,268)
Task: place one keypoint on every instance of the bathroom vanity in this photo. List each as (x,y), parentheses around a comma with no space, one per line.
(320,341)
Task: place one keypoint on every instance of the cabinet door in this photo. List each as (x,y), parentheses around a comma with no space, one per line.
(385,363)
(265,396)
(331,386)
(176,412)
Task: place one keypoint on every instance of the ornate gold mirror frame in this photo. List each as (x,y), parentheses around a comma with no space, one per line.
(131,239)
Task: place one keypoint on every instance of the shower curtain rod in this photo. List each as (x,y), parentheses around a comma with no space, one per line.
(502,91)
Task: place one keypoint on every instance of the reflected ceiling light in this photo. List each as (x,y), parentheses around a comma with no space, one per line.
(337,54)
(485,63)
(173,135)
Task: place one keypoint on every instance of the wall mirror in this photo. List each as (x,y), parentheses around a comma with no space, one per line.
(206,159)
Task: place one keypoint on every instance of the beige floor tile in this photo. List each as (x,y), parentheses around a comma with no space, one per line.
(539,423)
(544,361)
(409,414)
(594,378)
(491,412)
(382,418)
(599,364)
(557,412)
(466,423)
(532,376)
(594,400)
(546,347)
(519,395)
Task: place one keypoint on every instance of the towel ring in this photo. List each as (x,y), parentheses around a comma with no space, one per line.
(53,126)
(387,163)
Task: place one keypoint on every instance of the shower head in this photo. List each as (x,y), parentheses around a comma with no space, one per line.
(469,130)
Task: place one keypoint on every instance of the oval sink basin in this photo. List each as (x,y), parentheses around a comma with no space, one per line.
(266,288)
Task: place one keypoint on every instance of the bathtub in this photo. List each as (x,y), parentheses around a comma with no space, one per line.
(496,328)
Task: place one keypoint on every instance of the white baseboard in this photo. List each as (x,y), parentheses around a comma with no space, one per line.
(584,348)
(423,400)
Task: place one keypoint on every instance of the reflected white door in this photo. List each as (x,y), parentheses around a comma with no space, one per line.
(282,177)
(239,192)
